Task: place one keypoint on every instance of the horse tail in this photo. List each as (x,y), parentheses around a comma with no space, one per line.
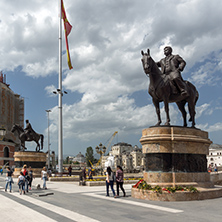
(195,95)
(42,140)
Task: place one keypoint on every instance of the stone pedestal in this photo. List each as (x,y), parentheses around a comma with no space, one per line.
(37,160)
(176,156)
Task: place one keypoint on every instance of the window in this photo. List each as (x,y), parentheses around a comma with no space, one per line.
(6,154)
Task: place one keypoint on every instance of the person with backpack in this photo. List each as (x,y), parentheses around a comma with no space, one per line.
(9,179)
(119,180)
(30,173)
(25,174)
(21,182)
(70,170)
(90,173)
(109,181)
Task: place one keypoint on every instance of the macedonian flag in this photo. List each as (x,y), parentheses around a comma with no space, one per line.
(67,28)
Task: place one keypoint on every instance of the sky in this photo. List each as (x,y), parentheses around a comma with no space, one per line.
(107,87)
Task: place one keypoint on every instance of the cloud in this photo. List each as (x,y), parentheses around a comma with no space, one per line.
(207,73)
(50,89)
(215,127)
(200,110)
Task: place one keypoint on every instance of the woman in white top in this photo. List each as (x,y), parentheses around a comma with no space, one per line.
(109,181)
(21,182)
(44,177)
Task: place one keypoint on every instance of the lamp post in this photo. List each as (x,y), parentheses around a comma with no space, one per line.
(48,111)
(60,127)
(101,150)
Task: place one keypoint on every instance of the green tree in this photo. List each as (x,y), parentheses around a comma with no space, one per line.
(89,156)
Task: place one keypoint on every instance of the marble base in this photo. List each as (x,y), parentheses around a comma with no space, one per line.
(164,179)
(203,194)
(37,160)
(175,155)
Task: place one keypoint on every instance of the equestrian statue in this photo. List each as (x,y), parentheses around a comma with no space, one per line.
(167,85)
(28,134)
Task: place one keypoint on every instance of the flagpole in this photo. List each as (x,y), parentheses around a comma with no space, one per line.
(60,133)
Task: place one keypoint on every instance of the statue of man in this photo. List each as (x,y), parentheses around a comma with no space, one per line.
(172,65)
(28,130)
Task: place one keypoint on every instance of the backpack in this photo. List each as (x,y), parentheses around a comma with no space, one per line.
(27,177)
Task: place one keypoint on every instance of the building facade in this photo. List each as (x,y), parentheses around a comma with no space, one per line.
(129,157)
(78,158)
(11,106)
(11,112)
(215,155)
(7,150)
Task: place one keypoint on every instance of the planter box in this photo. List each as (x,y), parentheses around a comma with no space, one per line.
(204,193)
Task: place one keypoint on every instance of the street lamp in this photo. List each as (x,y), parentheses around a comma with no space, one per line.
(48,111)
(59,91)
(101,150)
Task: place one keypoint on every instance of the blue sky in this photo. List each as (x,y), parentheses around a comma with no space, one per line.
(107,88)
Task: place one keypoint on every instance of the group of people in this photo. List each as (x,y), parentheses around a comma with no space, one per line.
(117,177)
(24,180)
(212,168)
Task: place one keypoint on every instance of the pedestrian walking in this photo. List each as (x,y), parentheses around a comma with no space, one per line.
(119,180)
(70,170)
(25,174)
(90,173)
(21,182)
(209,168)
(8,179)
(1,170)
(215,168)
(44,177)
(31,177)
(109,181)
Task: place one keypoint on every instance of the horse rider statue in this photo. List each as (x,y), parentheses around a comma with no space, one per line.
(172,66)
(28,130)
(28,134)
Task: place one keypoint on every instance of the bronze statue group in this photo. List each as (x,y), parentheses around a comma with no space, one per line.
(167,85)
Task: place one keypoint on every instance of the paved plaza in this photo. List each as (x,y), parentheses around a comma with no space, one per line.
(66,201)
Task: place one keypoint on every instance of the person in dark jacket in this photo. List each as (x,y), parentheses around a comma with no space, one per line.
(119,180)
(9,179)
(172,66)
(109,181)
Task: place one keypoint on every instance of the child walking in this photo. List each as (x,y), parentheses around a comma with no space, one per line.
(21,182)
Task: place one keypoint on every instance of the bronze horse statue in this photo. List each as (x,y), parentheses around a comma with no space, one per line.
(24,137)
(160,88)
